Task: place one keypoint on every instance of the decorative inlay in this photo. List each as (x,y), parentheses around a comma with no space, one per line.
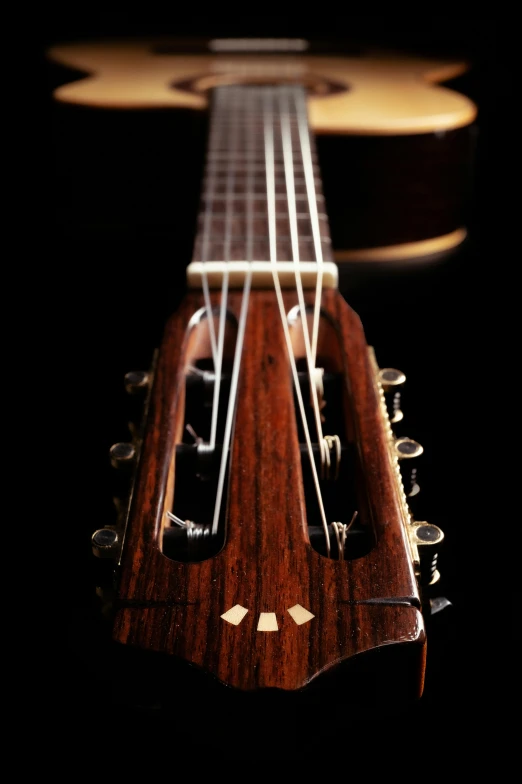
(235,615)
(267,622)
(299,614)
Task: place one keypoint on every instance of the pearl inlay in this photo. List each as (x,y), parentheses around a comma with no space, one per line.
(267,622)
(235,615)
(299,614)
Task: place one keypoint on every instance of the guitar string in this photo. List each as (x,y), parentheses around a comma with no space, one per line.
(242,319)
(209,194)
(224,284)
(288,158)
(306,151)
(268,122)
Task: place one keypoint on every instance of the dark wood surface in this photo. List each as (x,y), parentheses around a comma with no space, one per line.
(267,564)
(234,206)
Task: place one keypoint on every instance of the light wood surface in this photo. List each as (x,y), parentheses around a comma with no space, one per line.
(384,96)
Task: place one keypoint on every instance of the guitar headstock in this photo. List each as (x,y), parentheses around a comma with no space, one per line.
(262,599)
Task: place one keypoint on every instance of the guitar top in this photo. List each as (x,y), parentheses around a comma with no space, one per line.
(402,139)
(269,534)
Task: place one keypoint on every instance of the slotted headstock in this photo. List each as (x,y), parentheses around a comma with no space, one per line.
(259,604)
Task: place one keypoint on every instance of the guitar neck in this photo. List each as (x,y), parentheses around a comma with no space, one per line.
(233,223)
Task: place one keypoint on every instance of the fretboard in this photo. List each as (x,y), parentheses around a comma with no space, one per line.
(233,218)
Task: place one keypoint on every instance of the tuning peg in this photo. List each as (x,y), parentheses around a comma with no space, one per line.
(391,380)
(438,604)
(407,448)
(137,382)
(427,537)
(105,543)
(122,454)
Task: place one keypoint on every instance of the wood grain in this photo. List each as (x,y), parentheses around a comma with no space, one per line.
(384,95)
(267,563)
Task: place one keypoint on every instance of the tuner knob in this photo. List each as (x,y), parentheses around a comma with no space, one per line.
(391,378)
(406,448)
(391,381)
(105,543)
(137,382)
(122,454)
(427,537)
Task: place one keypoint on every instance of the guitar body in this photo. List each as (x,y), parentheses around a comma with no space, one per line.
(386,126)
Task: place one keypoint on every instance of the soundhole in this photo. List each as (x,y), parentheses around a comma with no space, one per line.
(314,84)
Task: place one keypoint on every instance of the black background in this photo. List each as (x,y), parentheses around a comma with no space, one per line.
(117,273)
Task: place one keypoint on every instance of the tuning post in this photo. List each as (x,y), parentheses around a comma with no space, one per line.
(332,448)
(188,540)
(341,532)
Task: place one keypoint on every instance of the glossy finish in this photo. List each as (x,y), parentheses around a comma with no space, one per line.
(267,564)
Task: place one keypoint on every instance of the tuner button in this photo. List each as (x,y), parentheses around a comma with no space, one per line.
(427,536)
(407,448)
(122,454)
(426,533)
(391,381)
(104,543)
(391,377)
(438,604)
(137,382)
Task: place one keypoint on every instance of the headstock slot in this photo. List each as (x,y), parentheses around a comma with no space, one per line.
(347,493)
(197,455)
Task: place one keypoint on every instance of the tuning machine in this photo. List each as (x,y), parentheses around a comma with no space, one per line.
(106,542)
(407,451)
(426,538)
(392,381)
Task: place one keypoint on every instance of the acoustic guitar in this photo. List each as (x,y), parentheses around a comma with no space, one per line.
(269,537)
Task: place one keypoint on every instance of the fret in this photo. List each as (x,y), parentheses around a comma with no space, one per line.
(221,186)
(233,207)
(244,158)
(215,167)
(237,205)
(321,215)
(216,251)
(238,225)
(256,197)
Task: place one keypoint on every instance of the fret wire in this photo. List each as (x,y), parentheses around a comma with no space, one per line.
(304,135)
(247,162)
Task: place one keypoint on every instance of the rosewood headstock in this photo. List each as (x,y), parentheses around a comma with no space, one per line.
(259,604)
